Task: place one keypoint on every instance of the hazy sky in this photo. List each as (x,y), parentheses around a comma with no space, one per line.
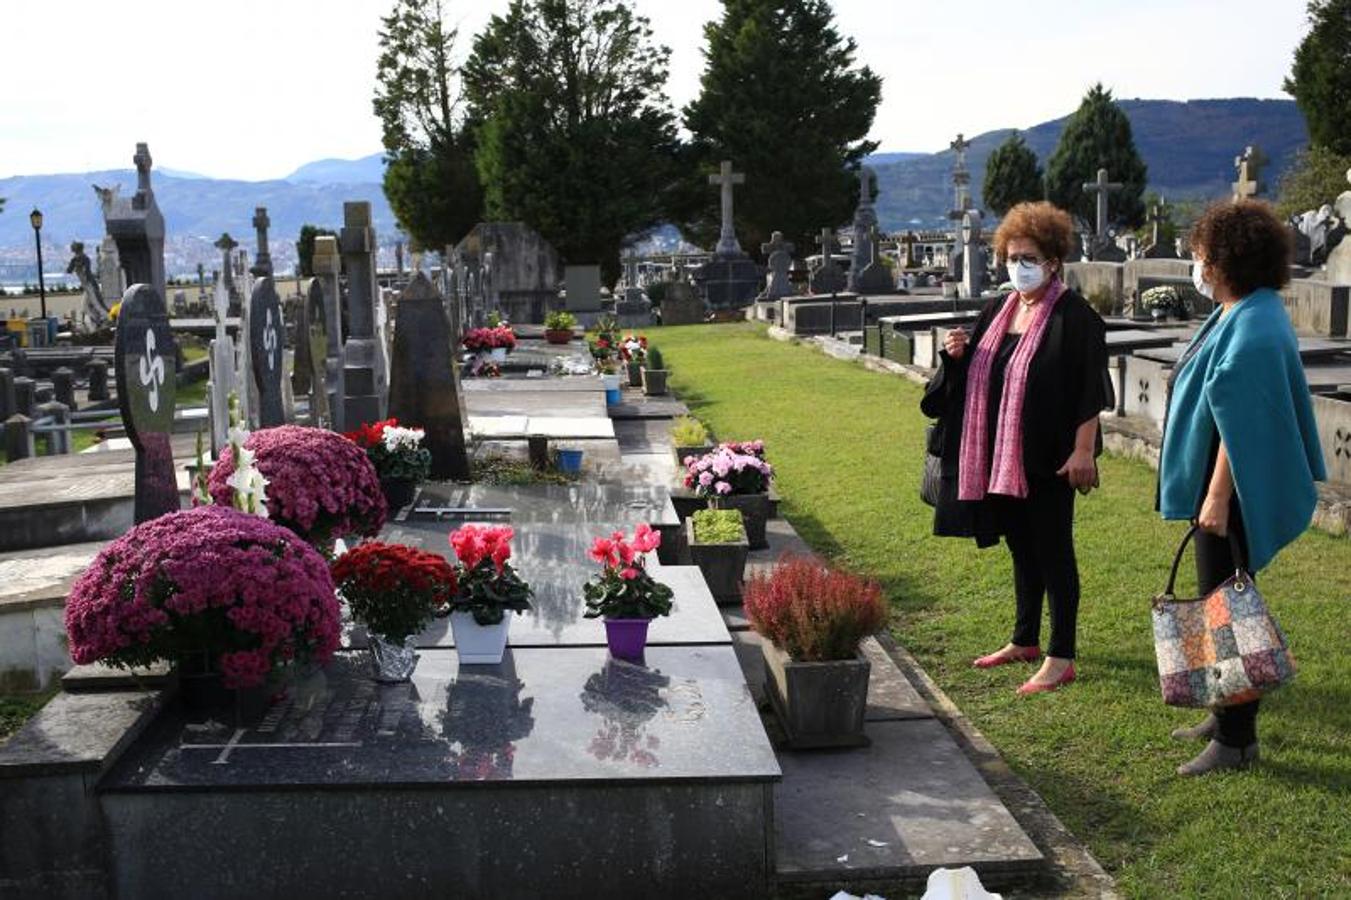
(254,88)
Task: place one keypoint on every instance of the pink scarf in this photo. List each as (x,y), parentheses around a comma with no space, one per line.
(976,475)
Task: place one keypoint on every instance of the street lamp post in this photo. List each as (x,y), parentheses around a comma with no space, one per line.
(36,218)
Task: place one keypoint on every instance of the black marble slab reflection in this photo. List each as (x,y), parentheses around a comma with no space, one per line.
(545,716)
(605,503)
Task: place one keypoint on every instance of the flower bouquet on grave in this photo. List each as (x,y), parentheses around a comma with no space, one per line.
(487,587)
(503,338)
(400,460)
(735,476)
(231,598)
(1165,301)
(320,485)
(633,351)
(394,591)
(624,593)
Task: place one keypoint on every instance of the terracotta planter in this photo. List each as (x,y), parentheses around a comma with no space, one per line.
(819,704)
(558,336)
(723,565)
(654,382)
(755,510)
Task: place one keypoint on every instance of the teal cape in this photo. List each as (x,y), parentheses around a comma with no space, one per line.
(1245,379)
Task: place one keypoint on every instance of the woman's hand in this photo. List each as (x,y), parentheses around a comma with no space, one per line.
(955,341)
(1080,469)
(1214,516)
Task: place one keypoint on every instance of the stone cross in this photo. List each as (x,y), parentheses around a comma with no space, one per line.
(865,215)
(961,178)
(1249,166)
(1102,187)
(398,258)
(726,178)
(226,245)
(828,277)
(779,257)
(973,259)
(327,265)
(365,364)
(222,370)
(267,337)
(262,263)
(145,355)
(143,163)
(312,349)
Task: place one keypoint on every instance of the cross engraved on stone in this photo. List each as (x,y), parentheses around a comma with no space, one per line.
(726,178)
(1102,187)
(1249,165)
(151,369)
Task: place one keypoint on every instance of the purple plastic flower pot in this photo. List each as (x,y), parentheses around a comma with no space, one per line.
(627,637)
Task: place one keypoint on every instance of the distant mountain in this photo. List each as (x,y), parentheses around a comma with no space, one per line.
(180,173)
(366,170)
(1188,146)
(882,159)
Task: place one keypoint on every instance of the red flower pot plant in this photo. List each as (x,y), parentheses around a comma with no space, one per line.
(487,588)
(624,593)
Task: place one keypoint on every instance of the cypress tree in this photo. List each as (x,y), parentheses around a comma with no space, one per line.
(1012,176)
(1320,80)
(1097,136)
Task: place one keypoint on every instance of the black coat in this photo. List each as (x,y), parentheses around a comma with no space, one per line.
(1067,384)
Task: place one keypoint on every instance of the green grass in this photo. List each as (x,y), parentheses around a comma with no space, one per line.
(15,709)
(848,447)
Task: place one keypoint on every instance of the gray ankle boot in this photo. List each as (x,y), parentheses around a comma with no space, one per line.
(1217,756)
(1203,730)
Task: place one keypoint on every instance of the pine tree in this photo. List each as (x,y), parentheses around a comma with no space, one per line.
(781,98)
(1320,80)
(430,179)
(1097,136)
(1012,176)
(576,137)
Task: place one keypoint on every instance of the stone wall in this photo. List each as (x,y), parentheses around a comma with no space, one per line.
(1090,278)
(811,314)
(1132,270)
(1334,434)
(1317,307)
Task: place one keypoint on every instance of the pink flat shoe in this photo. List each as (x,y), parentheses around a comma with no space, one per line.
(1036,687)
(1024,654)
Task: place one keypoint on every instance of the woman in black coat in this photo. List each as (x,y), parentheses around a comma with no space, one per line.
(1018,401)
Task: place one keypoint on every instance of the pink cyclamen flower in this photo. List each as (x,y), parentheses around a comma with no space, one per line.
(629,574)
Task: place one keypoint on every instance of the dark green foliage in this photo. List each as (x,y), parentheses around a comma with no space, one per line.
(615,597)
(654,360)
(1320,79)
(430,179)
(782,99)
(305,248)
(488,594)
(1168,230)
(1098,135)
(1317,177)
(1012,176)
(575,135)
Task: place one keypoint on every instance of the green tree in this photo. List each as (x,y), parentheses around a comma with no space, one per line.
(1317,176)
(1097,136)
(430,179)
(1012,176)
(1320,79)
(576,137)
(782,98)
(305,248)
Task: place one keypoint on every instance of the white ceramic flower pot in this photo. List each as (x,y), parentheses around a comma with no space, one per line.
(611,382)
(477,644)
(499,355)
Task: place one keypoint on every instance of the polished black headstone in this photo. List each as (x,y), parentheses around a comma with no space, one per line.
(267,337)
(147,378)
(424,386)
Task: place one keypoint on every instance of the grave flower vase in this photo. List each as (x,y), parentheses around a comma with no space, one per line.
(819,704)
(399,492)
(754,513)
(626,638)
(477,644)
(654,382)
(723,565)
(392,661)
(635,369)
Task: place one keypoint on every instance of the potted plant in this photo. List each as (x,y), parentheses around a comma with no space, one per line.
(718,546)
(501,340)
(398,456)
(633,351)
(691,438)
(229,597)
(486,588)
(735,476)
(319,484)
(558,327)
(654,374)
(394,591)
(624,593)
(812,619)
(1166,301)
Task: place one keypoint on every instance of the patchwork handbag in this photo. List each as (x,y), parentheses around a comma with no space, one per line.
(931,484)
(1221,649)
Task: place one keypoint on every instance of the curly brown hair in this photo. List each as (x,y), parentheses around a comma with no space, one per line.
(1245,244)
(1045,224)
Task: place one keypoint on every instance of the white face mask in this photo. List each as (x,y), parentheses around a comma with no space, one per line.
(1203,287)
(1026,277)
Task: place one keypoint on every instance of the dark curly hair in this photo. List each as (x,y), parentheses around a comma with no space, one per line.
(1245,243)
(1045,224)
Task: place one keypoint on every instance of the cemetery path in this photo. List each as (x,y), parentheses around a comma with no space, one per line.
(848,447)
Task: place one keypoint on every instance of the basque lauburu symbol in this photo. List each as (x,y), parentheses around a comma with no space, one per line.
(270,341)
(152,370)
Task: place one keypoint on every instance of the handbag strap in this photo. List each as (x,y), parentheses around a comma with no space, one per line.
(1235,550)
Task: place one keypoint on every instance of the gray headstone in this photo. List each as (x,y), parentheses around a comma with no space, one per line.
(973,256)
(828,278)
(682,305)
(137,226)
(424,390)
(327,265)
(779,260)
(63,387)
(146,384)
(267,338)
(874,278)
(365,370)
(582,284)
(7,407)
(25,395)
(312,349)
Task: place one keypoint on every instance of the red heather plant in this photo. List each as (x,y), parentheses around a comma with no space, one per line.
(320,484)
(245,590)
(392,589)
(811,612)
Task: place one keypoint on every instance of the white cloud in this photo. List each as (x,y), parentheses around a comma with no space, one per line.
(255,88)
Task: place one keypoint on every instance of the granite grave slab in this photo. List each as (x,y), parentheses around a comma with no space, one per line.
(146,354)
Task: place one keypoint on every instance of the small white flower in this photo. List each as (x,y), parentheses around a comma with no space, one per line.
(396,439)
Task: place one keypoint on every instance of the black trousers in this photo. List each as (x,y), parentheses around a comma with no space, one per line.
(1214,564)
(1040,533)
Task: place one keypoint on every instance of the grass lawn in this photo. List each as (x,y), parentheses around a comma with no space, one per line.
(848,447)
